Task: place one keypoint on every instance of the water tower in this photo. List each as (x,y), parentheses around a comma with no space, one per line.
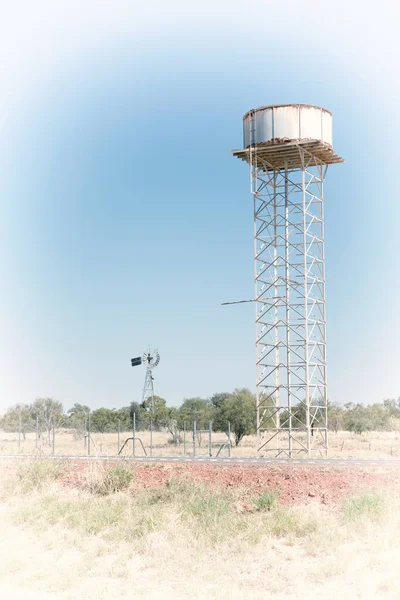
(288,149)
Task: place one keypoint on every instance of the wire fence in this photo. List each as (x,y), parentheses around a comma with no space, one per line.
(61,438)
(54,439)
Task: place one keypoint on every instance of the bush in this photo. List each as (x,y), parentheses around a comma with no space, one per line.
(117,479)
(98,480)
(265,500)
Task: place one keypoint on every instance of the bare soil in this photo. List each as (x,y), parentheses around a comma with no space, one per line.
(293,484)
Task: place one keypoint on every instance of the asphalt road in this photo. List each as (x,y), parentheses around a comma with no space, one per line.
(340,462)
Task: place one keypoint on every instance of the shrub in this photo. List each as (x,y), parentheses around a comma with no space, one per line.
(118,479)
(103,482)
(265,500)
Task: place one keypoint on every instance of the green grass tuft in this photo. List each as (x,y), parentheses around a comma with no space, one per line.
(37,474)
(366,505)
(99,480)
(117,479)
(265,500)
(289,522)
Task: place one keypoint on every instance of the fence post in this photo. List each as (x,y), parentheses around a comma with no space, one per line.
(184,438)
(37,431)
(229,436)
(210,439)
(88,434)
(19,431)
(119,434)
(84,434)
(134,434)
(194,438)
(151,437)
(54,436)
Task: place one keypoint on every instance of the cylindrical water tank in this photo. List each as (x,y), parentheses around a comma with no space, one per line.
(287,122)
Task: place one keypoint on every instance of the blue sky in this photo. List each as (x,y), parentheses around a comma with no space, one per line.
(125,222)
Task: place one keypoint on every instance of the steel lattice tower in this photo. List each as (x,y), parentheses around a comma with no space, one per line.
(149,360)
(148,388)
(287,173)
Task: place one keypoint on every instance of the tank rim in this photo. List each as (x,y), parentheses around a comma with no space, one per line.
(260,108)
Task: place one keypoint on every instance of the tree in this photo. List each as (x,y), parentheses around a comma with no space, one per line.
(103,419)
(379,416)
(174,424)
(298,415)
(125,417)
(78,409)
(17,418)
(335,417)
(49,412)
(238,409)
(357,419)
(218,399)
(392,406)
(77,414)
(197,409)
(158,416)
(137,410)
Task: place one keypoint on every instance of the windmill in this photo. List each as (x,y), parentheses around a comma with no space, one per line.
(149,360)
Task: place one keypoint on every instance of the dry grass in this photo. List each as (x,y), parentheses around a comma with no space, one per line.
(100,479)
(186,540)
(343,444)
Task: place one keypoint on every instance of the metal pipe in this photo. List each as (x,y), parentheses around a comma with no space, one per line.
(276,318)
(322,173)
(229,436)
(210,438)
(253,188)
(151,437)
(134,434)
(84,434)
(184,438)
(119,435)
(19,431)
(37,431)
(305,266)
(152,394)
(194,439)
(54,438)
(287,301)
(88,434)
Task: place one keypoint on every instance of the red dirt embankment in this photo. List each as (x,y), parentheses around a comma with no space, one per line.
(294,484)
